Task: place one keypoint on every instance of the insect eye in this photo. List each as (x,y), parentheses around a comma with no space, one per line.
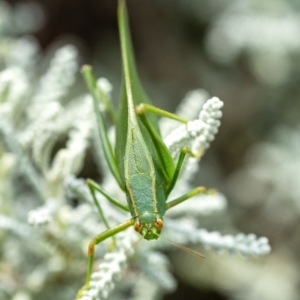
(159,223)
(137,226)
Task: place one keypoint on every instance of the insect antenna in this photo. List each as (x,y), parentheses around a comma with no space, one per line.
(186,249)
(135,244)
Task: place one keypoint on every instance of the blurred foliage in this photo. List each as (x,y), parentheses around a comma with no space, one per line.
(245,52)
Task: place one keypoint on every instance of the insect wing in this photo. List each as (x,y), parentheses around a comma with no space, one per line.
(132,95)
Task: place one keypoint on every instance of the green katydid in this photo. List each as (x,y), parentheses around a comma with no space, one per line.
(141,163)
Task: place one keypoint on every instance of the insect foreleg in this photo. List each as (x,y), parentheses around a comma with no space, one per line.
(94,186)
(91,249)
(190,194)
(97,204)
(107,148)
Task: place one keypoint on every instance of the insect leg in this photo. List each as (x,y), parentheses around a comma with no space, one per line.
(94,186)
(184,151)
(92,189)
(91,249)
(107,148)
(181,157)
(190,194)
(144,107)
(162,151)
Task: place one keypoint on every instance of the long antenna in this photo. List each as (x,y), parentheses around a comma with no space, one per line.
(186,249)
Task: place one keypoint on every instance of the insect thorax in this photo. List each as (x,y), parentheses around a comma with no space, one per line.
(146,200)
(145,195)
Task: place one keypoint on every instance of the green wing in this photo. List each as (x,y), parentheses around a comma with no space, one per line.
(132,95)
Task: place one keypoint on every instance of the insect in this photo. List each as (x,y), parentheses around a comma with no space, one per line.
(141,163)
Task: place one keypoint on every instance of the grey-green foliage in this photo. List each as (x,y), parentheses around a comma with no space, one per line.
(43,237)
(267,34)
